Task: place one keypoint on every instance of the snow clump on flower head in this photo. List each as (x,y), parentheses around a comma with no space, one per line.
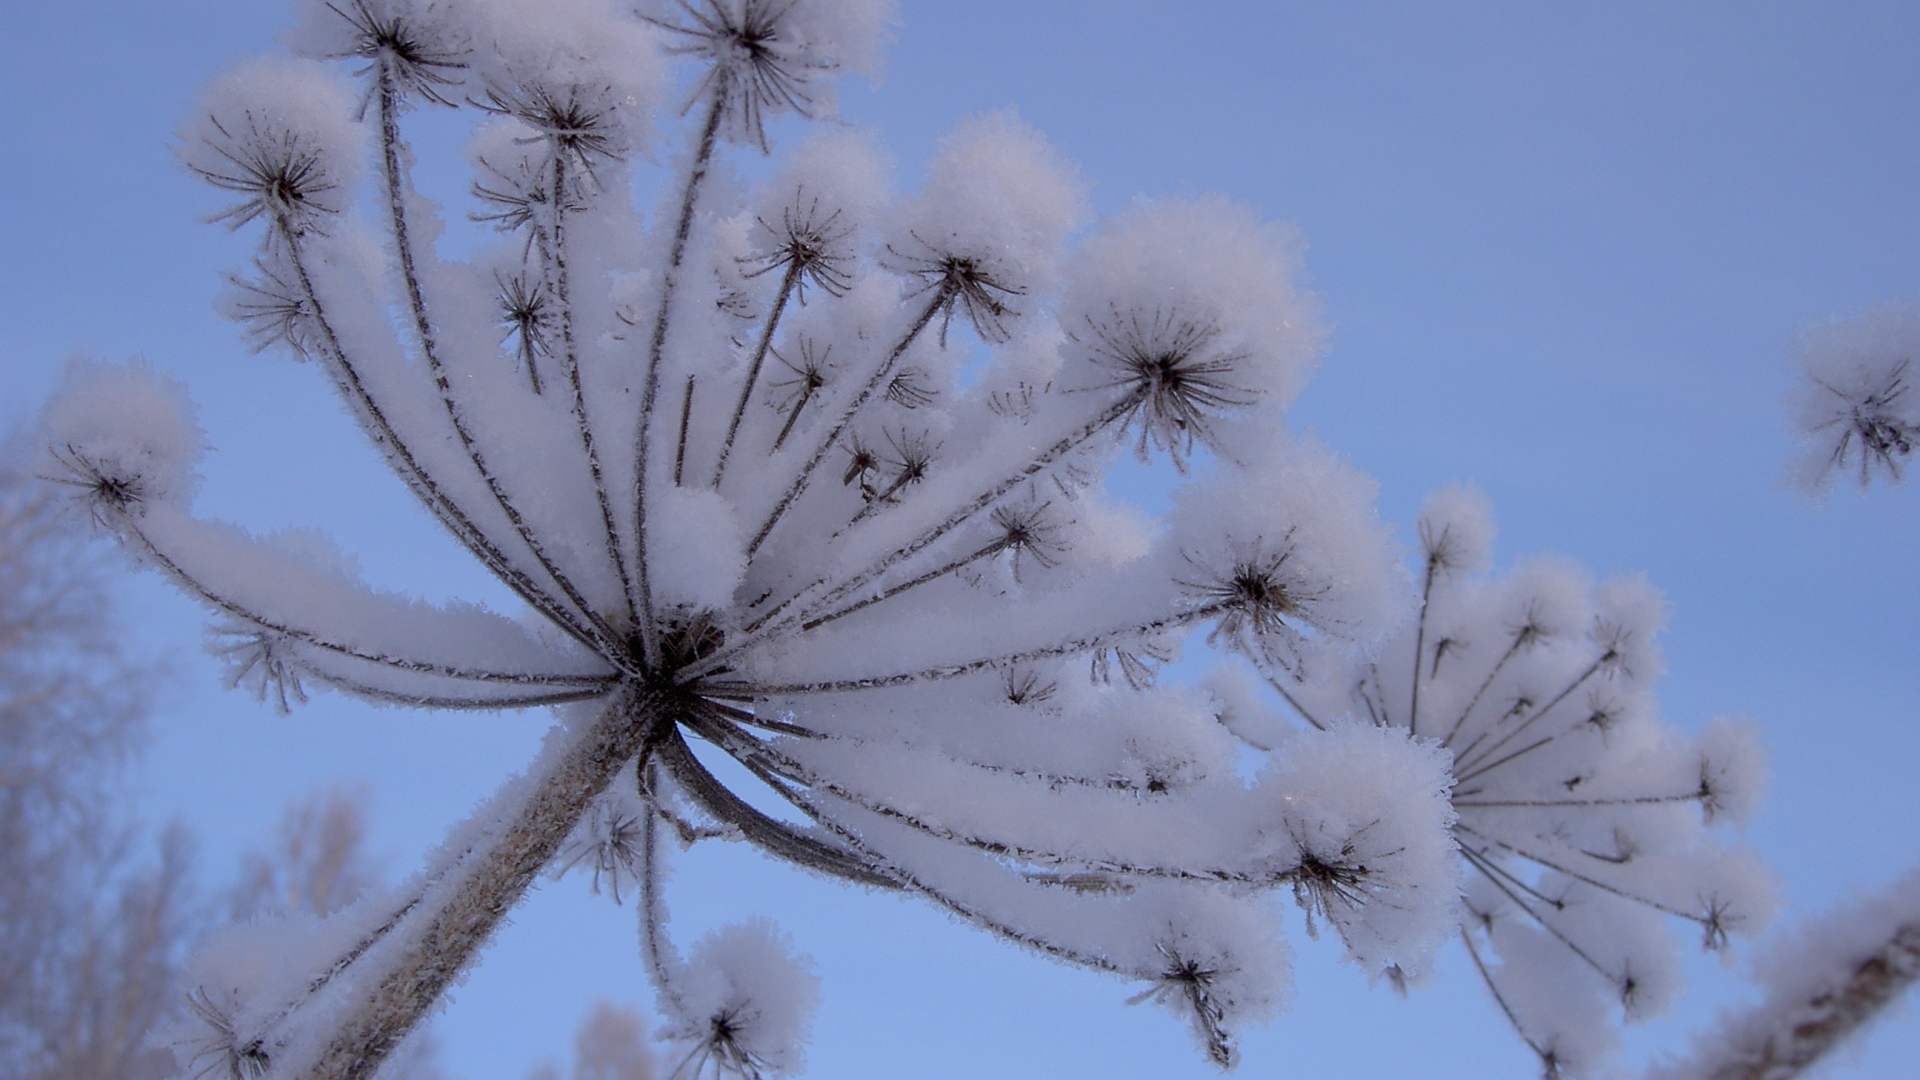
(744,1003)
(1193,302)
(986,230)
(279,135)
(125,434)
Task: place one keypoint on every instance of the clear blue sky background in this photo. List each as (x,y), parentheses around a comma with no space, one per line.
(1565,249)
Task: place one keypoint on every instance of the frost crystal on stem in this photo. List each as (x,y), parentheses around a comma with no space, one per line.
(901,659)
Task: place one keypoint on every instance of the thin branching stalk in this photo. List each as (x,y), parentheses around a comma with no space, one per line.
(788,282)
(832,437)
(415,475)
(642,596)
(423,328)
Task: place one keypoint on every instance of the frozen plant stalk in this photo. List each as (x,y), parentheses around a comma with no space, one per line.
(758,496)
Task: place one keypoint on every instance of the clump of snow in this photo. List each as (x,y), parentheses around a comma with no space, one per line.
(695,547)
(127,429)
(1366,811)
(1456,529)
(999,199)
(744,995)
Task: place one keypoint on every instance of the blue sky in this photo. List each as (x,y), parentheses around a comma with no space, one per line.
(1565,250)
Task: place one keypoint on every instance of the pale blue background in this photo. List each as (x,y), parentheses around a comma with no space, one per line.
(1565,248)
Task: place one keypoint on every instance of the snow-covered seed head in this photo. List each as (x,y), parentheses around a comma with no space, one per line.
(1259,598)
(281,174)
(1186,987)
(122,437)
(224,1052)
(1139,663)
(1871,423)
(272,310)
(400,45)
(517,195)
(1174,371)
(811,242)
(1327,882)
(1856,408)
(912,455)
(758,67)
(575,120)
(745,1002)
(911,388)
(1456,530)
(608,840)
(1029,532)
(962,283)
(1025,686)
(106,492)
(262,662)
(528,317)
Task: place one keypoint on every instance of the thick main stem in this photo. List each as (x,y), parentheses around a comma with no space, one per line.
(450,925)
(1781,1043)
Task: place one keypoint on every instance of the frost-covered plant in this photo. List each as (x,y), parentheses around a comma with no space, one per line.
(1856,407)
(1580,815)
(800,473)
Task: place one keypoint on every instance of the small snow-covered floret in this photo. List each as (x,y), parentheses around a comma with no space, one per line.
(265,663)
(1213,963)
(1456,530)
(809,243)
(743,1004)
(1200,290)
(277,134)
(608,839)
(1360,835)
(1186,986)
(576,121)
(124,437)
(984,234)
(515,186)
(221,1051)
(1733,770)
(1173,371)
(758,66)
(1260,598)
(527,315)
(1857,409)
(273,309)
(809,367)
(410,45)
